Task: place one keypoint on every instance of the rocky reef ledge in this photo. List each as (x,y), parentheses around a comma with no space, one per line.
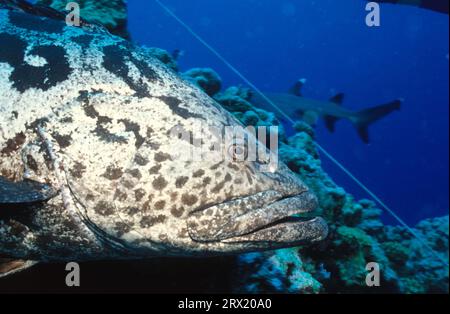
(357,233)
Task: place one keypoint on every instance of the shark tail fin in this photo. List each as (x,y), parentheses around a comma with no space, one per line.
(364,118)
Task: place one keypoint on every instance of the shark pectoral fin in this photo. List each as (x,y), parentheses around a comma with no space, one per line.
(330,122)
(338,99)
(24,192)
(12,266)
(296,89)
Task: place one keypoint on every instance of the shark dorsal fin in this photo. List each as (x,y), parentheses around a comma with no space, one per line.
(296,89)
(338,99)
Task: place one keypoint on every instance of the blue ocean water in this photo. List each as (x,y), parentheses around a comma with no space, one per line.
(275,42)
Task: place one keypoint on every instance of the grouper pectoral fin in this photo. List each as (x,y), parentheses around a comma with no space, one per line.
(24,192)
(10,266)
(296,89)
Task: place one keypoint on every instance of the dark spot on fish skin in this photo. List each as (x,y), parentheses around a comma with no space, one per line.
(120,195)
(148,222)
(173,196)
(249,177)
(181,133)
(90,111)
(146,206)
(233,166)
(160,205)
(63,141)
(66,120)
(174,105)
(177,212)
(140,160)
(181,181)
(128,184)
(216,166)
(189,199)
(218,187)
(84,41)
(206,181)
(113,173)
(238,181)
(26,76)
(252,171)
(160,157)
(155,169)
(221,185)
(139,194)
(199,173)
(101,131)
(14,144)
(159,183)
(77,170)
(135,128)
(115,61)
(15,114)
(104,209)
(122,228)
(36,23)
(132,211)
(32,164)
(135,173)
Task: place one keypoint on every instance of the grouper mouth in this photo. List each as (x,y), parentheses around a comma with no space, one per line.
(268,216)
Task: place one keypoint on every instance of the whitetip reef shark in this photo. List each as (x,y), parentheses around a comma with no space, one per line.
(295,106)
(86,167)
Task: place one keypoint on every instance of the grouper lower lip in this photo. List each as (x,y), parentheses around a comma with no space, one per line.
(259,218)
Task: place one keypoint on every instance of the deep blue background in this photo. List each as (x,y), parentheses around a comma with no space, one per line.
(275,42)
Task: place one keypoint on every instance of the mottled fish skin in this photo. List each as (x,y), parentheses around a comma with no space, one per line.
(90,115)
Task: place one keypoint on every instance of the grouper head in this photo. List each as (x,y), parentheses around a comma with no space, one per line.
(109,134)
(170,188)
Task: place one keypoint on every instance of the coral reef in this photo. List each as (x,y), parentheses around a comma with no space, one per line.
(206,78)
(357,233)
(163,56)
(110,13)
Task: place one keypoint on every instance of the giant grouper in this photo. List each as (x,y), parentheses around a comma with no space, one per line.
(87,169)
